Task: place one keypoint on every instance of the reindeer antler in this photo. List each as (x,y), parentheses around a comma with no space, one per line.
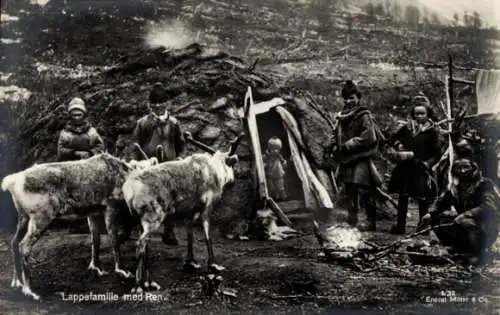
(140,150)
(234,144)
(189,137)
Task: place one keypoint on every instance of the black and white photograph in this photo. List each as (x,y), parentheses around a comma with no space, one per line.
(250,157)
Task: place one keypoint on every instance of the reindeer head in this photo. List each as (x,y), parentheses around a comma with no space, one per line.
(222,161)
(139,165)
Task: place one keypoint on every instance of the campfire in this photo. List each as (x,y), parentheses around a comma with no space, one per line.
(339,241)
(343,237)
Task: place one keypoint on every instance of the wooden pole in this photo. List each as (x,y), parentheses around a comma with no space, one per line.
(449,102)
(450,80)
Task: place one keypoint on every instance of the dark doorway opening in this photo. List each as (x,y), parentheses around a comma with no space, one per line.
(270,125)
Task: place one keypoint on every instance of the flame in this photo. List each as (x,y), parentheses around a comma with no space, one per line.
(172,35)
(343,236)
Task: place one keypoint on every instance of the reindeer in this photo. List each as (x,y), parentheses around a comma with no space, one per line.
(187,187)
(43,192)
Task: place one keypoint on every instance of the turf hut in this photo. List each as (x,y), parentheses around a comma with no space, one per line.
(304,134)
(205,90)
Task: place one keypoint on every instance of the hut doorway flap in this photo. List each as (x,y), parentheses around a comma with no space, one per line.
(301,171)
(322,197)
(253,134)
(312,186)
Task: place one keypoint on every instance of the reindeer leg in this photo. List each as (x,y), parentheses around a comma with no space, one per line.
(208,241)
(96,243)
(109,218)
(36,227)
(149,283)
(22,226)
(169,237)
(190,263)
(142,277)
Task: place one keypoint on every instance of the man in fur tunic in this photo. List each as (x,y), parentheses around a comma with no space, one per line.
(357,141)
(159,134)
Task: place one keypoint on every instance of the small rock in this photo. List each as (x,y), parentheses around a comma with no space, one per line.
(234,125)
(221,102)
(192,127)
(210,133)
(232,113)
(127,84)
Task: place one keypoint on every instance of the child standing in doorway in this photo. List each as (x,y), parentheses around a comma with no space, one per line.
(274,165)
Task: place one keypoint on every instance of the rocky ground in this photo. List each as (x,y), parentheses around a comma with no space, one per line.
(109,53)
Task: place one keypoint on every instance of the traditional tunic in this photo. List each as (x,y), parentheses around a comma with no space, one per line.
(476,219)
(151,131)
(78,137)
(358,141)
(413,176)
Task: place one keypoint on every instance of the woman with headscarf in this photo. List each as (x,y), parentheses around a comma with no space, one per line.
(79,139)
(416,149)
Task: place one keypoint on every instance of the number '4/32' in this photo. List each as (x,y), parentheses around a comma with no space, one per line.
(447,293)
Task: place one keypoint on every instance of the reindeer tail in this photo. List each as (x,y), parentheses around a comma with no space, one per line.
(8,181)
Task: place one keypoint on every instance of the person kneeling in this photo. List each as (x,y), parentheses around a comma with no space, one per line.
(471,206)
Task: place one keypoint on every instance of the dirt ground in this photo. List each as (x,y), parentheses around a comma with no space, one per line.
(266,276)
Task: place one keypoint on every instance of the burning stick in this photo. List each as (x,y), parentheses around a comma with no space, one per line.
(386,250)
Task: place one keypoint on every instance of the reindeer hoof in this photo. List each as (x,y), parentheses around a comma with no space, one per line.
(27,291)
(216,268)
(152,284)
(100,272)
(16,283)
(211,284)
(124,273)
(191,265)
(137,290)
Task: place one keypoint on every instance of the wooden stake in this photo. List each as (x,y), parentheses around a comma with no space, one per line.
(449,101)
(279,213)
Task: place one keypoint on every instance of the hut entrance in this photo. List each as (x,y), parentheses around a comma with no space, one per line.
(270,125)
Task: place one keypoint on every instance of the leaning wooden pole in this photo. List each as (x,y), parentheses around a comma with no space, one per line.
(449,102)
(450,84)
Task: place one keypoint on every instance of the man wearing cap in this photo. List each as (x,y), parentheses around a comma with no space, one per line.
(78,140)
(159,134)
(357,141)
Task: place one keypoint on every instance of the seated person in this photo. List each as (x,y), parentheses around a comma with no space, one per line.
(471,204)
